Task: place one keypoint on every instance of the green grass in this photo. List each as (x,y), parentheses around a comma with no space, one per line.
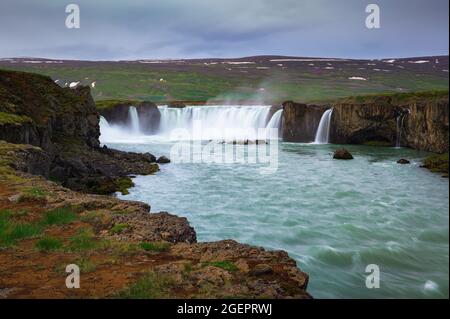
(138,82)
(399,98)
(118,228)
(12,231)
(8,118)
(226,265)
(155,246)
(86,265)
(104,104)
(123,183)
(33,194)
(437,163)
(48,244)
(59,216)
(84,240)
(151,286)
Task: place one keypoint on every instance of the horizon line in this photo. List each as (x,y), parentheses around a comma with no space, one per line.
(222,58)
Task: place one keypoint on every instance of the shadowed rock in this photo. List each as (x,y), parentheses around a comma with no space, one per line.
(342,154)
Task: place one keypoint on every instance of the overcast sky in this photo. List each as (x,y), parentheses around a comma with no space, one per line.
(135,29)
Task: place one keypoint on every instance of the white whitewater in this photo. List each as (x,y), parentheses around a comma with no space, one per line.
(323,131)
(237,118)
(275,121)
(134,119)
(214,116)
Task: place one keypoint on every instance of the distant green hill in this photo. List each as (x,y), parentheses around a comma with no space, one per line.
(271,79)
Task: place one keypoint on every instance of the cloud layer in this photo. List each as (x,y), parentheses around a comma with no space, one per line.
(136,29)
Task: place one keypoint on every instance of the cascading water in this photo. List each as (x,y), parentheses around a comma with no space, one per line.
(134,119)
(275,121)
(236,118)
(400,120)
(323,131)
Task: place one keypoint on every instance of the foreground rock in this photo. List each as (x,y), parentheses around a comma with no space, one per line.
(121,247)
(342,154)
(403,161)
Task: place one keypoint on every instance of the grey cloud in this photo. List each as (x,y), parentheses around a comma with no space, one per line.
(206,28)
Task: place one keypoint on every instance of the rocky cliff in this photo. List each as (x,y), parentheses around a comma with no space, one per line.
(117,112)
(46,113)
(300,121)
(64,122)
(421,119)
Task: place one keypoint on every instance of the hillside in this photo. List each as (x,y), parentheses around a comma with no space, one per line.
(271,79)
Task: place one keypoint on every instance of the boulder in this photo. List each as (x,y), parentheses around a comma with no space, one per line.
(403,161)
(342,154)
(163,160)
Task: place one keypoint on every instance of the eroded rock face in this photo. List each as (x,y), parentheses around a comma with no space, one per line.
(300,121)
(56,114)
(423,122)
(423,119)
(149,115)
(426,126)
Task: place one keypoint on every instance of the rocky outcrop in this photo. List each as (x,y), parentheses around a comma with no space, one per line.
(54,113)
(120,245)
(420,119)
(300,121)
(117,112)
(64,123)
(426,126)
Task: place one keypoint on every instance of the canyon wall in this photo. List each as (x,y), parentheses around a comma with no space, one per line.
(34,110)
(64,123)
(300,121)
(422,119)
(118,113)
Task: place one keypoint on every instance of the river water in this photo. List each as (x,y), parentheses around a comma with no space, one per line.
(333,217)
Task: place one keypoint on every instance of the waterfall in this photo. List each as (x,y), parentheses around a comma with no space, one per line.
(218,117)
(323,131)
(239,119)
(134,119)
(400,119)
(275,121)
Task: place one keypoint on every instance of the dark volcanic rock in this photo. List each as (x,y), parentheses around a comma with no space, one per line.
(403,161)
(163,160)
(30,159)
(425,121)
(65,124)
(149,114)
(177,104)
(342,154)
(53,114)
(300,121)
